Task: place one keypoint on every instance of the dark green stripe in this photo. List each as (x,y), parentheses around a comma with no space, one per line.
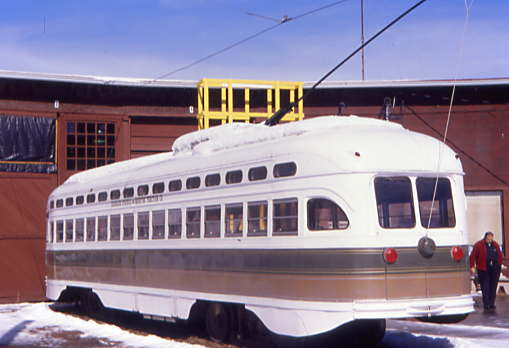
(293,261)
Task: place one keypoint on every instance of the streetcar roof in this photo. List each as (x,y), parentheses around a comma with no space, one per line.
(346,144)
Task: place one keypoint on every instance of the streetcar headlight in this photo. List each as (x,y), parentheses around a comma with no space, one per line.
(457,253)
(390,255)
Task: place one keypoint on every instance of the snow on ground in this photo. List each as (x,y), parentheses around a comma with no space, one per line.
(37,325)
(403,333)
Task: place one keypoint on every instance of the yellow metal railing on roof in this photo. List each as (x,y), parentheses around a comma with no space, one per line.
(218,100)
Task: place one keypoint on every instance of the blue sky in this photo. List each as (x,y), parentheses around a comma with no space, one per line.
(148,38)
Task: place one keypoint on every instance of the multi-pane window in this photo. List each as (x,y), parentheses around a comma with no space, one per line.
(285,216)
(60,231)
(213,221)
(115,227)
(437,213)
(174,223)
(158,223)
(89,144)
(193,219)
(233,220)
(257,218)
(212,179)
(394,201)
(324,214)
(69,229)
(285,169)
(257,173)
(234,177)
(143,225)
(90,229)
(102,228)
(128,226)
(80,228)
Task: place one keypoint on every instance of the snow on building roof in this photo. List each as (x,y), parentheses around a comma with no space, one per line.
(150,82)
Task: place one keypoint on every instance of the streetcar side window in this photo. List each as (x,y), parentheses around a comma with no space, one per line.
(91,198)
(212,179)
(80,226)
(128,226)
(102,228)
(440,213)
(158,224)
(324,214)
(257,218)
(115,227)
(69,229)
(158,187)
(174,223)
(102,196)
(175,185)
(212,221)
(114,195)
(233,220)
(50,232)
(394,202)
(257,173)
(285,169)
(128,192)
(60,231)
(234,177)
(193,182)
(193,221)
(143,225)
(142,190)
(90,229)
(285,216)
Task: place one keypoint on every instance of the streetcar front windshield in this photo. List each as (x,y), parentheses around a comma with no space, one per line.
(437,211)
(394,202)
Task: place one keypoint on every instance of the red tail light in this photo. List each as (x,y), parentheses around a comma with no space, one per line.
(457,253)
(390,255)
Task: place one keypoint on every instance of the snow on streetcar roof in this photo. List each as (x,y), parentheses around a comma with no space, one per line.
(385,147)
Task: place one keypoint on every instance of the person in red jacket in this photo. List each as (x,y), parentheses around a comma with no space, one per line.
(487,258)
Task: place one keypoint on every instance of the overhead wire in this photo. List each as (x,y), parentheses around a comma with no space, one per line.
(248,38)
(278,115)
(468,7)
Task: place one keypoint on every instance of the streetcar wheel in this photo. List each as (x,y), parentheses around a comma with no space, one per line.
(218,322)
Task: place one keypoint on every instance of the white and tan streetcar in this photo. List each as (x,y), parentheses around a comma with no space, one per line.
(306,226)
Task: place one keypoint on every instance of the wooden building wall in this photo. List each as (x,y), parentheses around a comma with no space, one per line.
(148,119)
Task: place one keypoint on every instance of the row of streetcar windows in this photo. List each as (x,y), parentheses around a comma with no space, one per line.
(395,202)
(232,177)
(202,222)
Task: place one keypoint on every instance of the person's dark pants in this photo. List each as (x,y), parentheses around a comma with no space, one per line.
(489,281)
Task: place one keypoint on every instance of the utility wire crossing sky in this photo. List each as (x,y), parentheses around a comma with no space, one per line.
(292,40)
